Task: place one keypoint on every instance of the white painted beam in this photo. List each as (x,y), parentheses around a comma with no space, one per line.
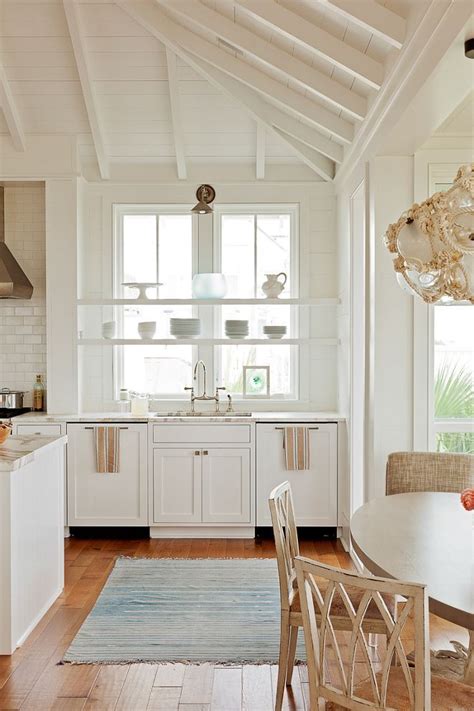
(312,158)
(90,99)
(10,111)
(176,115)
(322,43)
(260,152)
(250,100)
(291,67)
(375,18)
(156,21)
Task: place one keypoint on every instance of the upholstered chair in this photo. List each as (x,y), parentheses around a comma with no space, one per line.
(428,471)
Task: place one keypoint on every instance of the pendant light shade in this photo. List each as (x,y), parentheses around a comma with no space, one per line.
(205,195)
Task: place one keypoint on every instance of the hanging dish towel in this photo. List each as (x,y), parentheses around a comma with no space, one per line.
(296,446)
(107,449)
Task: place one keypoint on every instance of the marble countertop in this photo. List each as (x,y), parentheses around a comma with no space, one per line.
(43,417)
(20,450)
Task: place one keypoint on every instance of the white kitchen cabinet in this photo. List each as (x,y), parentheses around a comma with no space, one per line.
(201,486)
(177,485)
(314,490)
(103,499)
(226,480)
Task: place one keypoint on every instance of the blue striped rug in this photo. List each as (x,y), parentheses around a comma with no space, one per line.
(175,610)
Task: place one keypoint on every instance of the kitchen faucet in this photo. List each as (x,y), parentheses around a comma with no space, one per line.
(204,395)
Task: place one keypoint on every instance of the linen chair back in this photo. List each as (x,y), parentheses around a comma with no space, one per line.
(428,471)
(332,665)
(286,540)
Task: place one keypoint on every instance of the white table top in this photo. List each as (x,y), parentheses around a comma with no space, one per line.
(424,538)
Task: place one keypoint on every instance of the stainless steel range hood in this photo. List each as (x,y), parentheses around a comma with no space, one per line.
(14,284)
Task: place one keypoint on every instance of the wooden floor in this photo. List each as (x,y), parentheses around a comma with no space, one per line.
(31,679)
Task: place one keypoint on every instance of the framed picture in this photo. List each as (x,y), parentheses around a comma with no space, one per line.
(256,381)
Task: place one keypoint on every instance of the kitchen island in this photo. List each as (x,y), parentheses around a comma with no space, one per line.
(31,533)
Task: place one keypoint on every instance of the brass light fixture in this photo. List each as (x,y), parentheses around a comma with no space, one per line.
(205,195)
(433,244)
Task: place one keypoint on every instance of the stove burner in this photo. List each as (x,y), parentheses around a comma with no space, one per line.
(7,412)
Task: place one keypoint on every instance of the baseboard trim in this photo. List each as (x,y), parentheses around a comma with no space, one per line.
(38,617)
(202,532)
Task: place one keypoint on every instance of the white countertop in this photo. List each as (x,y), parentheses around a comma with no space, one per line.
(18,451)
(35,417)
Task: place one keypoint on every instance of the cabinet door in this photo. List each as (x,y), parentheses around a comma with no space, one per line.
(176,485)
(226,476)
(314,490)
(97,499)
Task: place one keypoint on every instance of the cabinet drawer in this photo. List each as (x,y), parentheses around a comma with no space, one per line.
(45,430)
(199,434)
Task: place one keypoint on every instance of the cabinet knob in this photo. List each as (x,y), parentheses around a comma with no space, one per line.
(205,452)
(197,453)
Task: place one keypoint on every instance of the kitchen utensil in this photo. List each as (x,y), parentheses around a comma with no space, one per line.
(146,329)
(142,287)
(272,288)
(209,286)
(11,398)
(109,329)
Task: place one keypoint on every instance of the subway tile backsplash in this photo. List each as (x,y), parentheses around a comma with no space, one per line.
(23,323)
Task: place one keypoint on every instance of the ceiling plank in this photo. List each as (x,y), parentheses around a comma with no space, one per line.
(176,115)
(324,44)
(88,91)
(289,99)
(310,156)
(249,99)
(293,68)
(10,111)
(375,18)
(260,152)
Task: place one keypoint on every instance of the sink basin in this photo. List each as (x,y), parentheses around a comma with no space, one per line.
(187,413)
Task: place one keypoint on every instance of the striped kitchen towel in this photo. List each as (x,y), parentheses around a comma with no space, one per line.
(107,451)
(296,446)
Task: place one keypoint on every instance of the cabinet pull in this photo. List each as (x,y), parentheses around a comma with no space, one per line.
(205,452)
(197,453)
(309,428)
(91,428)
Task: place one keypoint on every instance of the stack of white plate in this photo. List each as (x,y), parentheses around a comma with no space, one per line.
(185,327)
(236,329)
(274,331)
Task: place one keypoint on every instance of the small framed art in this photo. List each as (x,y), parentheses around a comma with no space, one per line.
(256,381)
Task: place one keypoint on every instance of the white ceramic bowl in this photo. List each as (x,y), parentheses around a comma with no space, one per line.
(146,329)
(109,329)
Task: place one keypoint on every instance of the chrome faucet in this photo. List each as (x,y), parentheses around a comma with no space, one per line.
(204,395)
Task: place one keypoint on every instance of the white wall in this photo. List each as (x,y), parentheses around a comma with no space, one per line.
(23,322)
(318,274)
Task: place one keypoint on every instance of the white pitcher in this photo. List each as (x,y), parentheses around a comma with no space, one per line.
(272,288)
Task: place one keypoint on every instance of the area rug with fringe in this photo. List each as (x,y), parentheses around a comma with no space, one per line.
(178,610)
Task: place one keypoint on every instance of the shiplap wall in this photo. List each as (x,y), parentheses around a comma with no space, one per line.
(318,273)
(23,322)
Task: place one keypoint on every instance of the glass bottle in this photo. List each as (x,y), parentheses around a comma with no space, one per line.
(38,394)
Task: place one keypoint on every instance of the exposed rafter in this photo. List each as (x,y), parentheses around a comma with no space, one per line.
(322,43)
(249,99)
(176,114)
(373,17)
(90,99)
(290,99)
(260,152)
(291,67)
(10,111)
(310,156)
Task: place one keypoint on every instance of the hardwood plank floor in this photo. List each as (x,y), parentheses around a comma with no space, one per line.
(32,680)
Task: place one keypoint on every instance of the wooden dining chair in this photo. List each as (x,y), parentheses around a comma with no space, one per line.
(333,668)
(408,472)
(287,549)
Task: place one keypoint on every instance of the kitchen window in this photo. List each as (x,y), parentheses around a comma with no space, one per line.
(165,244)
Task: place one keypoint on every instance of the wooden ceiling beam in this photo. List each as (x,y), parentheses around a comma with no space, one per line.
(176,115)
(375,18)
(298,29)
(10,112)
(291,67)
(90,99)
(249,99)
(152,17)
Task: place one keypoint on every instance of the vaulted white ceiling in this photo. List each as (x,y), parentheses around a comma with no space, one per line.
(198,81)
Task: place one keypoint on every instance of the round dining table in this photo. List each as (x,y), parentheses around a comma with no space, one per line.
(425,538)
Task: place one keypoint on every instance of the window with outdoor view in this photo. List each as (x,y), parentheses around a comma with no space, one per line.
(454,378)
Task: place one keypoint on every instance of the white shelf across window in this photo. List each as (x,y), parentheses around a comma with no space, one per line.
(209,302)
(206,341)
